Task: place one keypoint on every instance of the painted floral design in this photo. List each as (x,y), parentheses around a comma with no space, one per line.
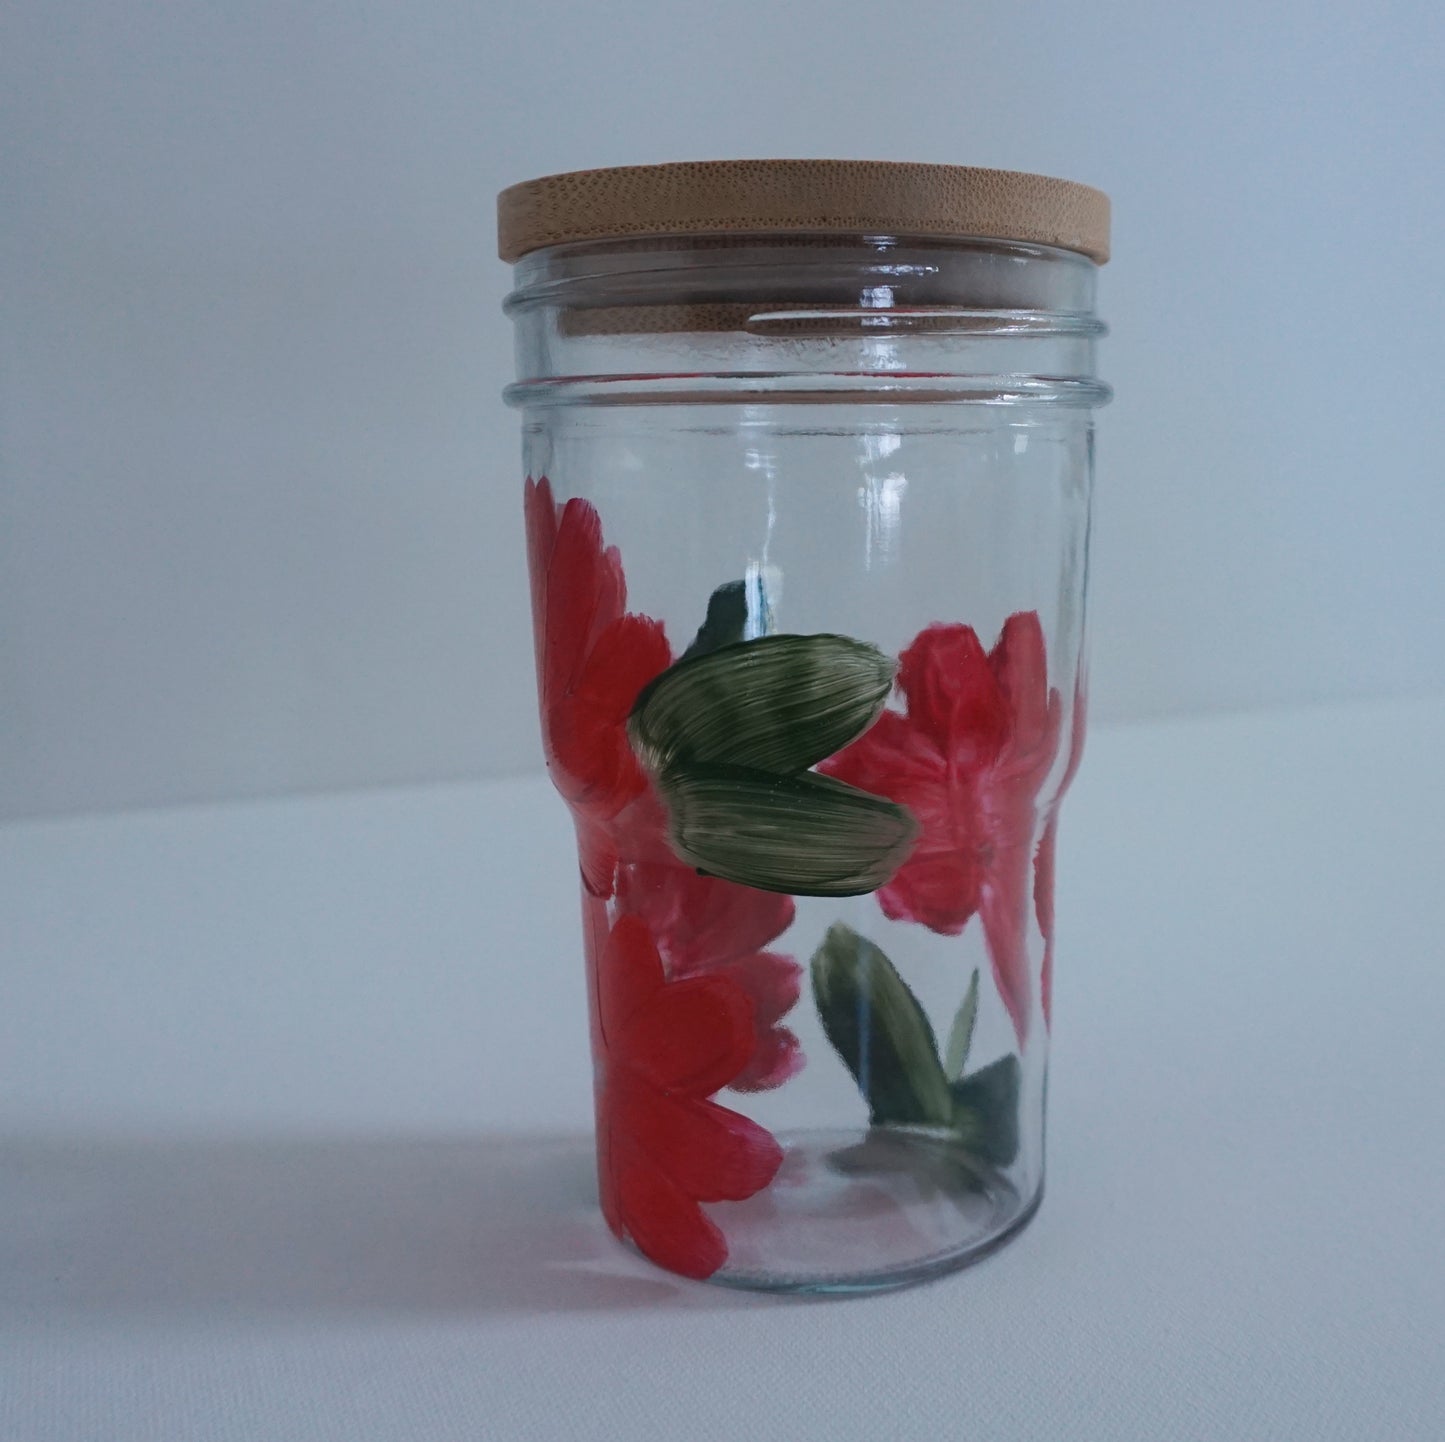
(1044,861)
(702,808)
(706,926)
(686,996)
(663,1047)
(593,657)
(968,759)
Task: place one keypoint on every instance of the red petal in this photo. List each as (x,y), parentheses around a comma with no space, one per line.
(641,831)
(629,652)
(594,927)
(585,730)
(541,514)
(629,975)
(711,1153)
(938,885)
(777,1057)
(939,889)
(584,596)
(667,1225)
(611,589)
(596,854)
(772,983)
(691,1036)
(1018,661)
(607,1175)
(1003,908)
(893,759)
(701,921)
(953,695)
(705,926)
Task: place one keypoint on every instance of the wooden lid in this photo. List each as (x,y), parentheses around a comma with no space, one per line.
(814,197)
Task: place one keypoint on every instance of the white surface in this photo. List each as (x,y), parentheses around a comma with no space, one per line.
(260,502)
(296,1100)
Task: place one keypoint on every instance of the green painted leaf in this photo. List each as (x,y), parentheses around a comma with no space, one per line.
(726,622)
(986,1110)
(877,1026)
(960,1036)
(776,703)
(804,835)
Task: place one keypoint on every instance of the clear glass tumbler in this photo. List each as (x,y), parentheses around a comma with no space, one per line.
(807,504)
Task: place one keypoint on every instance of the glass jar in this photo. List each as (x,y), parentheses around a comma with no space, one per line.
(808,452)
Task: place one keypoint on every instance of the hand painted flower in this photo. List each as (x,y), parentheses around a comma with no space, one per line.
(592,660)
(968,760)
(593,657)
(663,1048)
(1044,861)
(705,926)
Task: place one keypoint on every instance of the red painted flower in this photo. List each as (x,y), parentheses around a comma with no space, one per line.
(705,926)
(592,660)
(663,1048)
(968,759)
(1044,861)
(593,657)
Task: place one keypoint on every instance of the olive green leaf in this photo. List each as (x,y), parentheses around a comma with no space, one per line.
(804,835)
(776,703)
(728,735)
(960,1036)
(986,1110)
(878,1028)
(726,621)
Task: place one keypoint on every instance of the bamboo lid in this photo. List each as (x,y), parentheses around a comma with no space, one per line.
(814,197)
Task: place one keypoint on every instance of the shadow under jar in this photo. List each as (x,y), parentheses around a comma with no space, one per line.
(808,459)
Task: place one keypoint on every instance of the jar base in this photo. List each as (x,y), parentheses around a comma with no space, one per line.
(853,1212)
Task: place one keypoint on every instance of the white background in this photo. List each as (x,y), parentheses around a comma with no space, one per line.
(260,502)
